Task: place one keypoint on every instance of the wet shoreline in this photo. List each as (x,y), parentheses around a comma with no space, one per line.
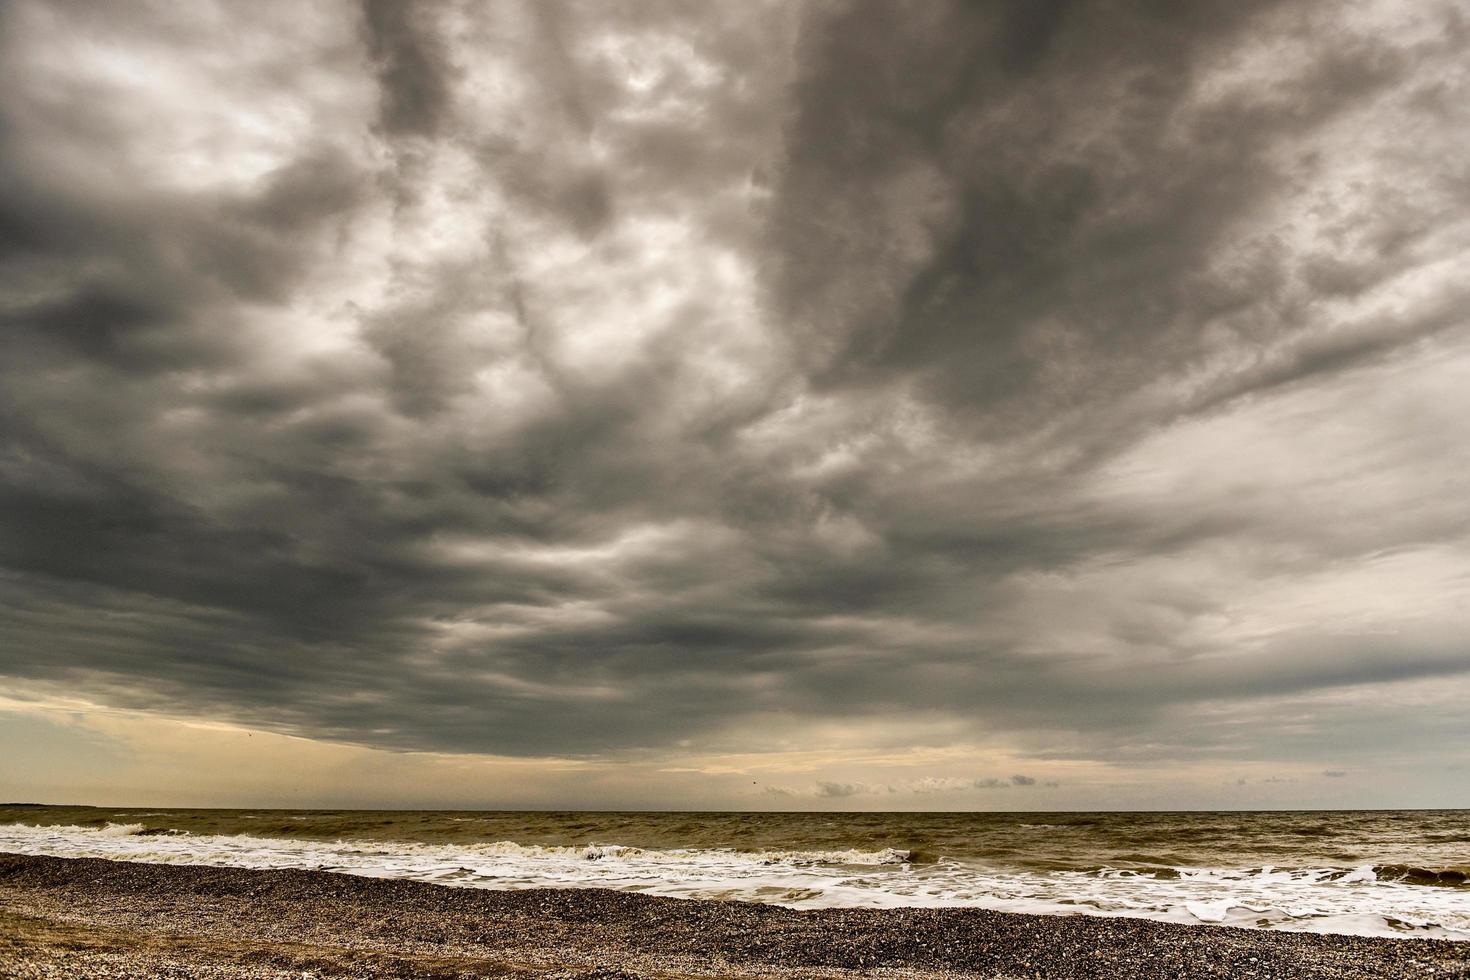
(89,917)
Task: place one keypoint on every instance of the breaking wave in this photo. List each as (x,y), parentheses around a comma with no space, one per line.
(119,829)
(1401,900)
(15,836)
(1443,877)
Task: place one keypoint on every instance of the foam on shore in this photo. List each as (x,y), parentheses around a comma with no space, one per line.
(1358,901)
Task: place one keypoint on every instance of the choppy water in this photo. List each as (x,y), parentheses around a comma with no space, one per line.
(1394,873)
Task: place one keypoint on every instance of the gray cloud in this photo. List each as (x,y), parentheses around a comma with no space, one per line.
(411,65)
(568,380)
(1005,229)
(927,786)
(837,791)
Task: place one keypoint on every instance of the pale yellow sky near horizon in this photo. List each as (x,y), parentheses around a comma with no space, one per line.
(72,752)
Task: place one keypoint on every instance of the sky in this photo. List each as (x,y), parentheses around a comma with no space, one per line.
(739,405)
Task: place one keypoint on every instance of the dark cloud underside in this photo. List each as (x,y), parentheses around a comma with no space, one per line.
(575,378)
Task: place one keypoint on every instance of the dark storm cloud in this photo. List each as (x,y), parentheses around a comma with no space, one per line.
(1019,212)
(569,379)
(411,64)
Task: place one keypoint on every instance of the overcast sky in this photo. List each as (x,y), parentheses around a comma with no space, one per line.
(876,404)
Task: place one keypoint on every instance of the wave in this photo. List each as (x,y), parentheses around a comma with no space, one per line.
(117,829)
(1389,900)
(888,855)
(1456,877)
(1450,877)
(1163,867)
(583,852)
(599,852)
(104,829)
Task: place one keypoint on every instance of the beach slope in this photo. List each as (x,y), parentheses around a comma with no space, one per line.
(92,918)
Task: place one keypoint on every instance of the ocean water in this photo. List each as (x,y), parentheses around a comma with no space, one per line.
(1387,873)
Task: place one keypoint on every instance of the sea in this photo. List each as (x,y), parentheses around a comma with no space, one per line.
(1400,873)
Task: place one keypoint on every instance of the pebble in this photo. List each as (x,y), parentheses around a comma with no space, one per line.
(91,918)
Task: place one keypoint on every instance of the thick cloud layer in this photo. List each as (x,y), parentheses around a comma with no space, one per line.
(586,378)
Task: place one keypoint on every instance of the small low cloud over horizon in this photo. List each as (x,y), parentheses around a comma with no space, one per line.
(862,404)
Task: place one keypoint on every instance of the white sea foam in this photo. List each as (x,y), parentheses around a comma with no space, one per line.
(120,829)
(1334,900)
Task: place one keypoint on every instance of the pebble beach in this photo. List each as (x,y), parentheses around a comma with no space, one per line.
(74,918)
